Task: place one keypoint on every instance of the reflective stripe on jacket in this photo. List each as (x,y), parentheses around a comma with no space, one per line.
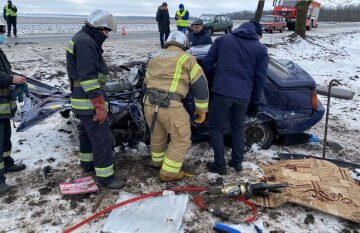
(7,107)
(175,71)
(181,22)
(9,11)
(85,66)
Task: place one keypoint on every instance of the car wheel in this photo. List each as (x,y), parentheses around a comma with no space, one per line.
(210,31)
(227,30)
(282,29)
(261,134)
(272,30)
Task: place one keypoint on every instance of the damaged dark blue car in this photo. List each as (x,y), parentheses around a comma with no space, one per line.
(289,105)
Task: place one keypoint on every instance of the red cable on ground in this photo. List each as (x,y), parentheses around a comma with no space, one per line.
(252,206)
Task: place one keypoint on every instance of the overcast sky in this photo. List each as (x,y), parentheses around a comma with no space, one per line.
(136,7)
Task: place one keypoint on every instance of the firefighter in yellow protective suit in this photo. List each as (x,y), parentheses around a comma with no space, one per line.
(170,75)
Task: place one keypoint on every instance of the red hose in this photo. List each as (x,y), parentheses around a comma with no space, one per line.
(252,206)
(153,194)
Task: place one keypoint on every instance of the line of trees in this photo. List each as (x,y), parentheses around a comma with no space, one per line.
(341,13)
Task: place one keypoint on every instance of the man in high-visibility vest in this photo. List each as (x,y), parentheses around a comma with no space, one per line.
(170,75)
(10,15)
(7,110)
(182,17)
(88,73)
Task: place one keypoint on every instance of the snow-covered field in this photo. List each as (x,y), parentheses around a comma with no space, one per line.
(50,150)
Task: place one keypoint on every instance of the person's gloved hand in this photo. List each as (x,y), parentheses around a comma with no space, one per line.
(252,110)
(100,111)
(19,91)
(200,117)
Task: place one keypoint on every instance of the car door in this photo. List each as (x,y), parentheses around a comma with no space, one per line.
(217,23)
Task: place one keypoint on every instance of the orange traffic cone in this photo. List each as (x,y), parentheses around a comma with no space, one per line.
(123,32)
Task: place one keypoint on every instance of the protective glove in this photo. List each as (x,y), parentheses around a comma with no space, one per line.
(252,110)
(19,91)
(100,111)
(200,117)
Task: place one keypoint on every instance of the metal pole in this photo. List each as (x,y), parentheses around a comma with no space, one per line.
(328,111)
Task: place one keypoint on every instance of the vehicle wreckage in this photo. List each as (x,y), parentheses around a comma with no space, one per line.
(289,104)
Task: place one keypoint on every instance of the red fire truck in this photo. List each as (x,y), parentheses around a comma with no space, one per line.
(287,9)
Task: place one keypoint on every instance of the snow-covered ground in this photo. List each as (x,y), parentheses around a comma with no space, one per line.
(50,150)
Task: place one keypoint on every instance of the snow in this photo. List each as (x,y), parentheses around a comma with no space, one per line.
(51,154)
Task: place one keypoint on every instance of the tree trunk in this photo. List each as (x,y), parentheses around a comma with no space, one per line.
(302,9)
(259,10)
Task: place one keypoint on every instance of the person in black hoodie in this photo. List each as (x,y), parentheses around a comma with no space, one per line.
(240,63)
(88,73)
(199,35)
(163,19)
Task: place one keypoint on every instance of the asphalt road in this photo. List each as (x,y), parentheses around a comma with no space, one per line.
(64,38)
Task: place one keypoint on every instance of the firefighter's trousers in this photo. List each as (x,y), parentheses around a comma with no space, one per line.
(176,122)
(96,148)
(5,147)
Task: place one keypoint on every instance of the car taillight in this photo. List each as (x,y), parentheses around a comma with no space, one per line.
(314,99)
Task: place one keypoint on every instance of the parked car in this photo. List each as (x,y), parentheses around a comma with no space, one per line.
(289,105)
(215,23)
(272,23)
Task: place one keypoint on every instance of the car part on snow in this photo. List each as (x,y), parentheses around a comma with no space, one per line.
(316,184)
(261,134)
(331,84)
(336,92)
(153,213)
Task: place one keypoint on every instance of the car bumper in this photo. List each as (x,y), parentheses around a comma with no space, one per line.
(300,125)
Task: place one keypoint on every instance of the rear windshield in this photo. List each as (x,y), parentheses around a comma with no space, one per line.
(207,17)
(287,3)
(278,69)
(267,19)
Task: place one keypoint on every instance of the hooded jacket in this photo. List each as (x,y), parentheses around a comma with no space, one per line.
(240,62)
(201,38)
(163,19)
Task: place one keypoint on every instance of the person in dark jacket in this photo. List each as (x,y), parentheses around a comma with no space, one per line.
(163,19)
(88,73)
(10,15)
(199,35)
(240,63)
(7,110)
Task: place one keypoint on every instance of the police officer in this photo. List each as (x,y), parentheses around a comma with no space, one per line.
(7,110)
(10,15)
(88,73)
(182,17)
(171,73)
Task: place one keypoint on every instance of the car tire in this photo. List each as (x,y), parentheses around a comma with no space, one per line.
(272,30)
(261,134)
(227,30)
(210,31)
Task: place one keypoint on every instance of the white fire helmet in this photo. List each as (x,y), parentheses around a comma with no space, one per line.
(102,19)
(177,38)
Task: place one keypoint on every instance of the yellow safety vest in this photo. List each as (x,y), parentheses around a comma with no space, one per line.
(181,22)
(9,11)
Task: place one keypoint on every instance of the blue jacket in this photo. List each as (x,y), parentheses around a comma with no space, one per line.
(240,62)
(201,38)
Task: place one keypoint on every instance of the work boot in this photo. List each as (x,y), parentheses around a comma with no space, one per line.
(178,176)
(213,168)
(15,167)
(238,167)
(4,188)
(115,184)
(156,164)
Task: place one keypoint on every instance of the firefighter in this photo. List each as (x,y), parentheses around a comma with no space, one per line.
(170,75)
(88,72)
(182,17)
(7,110)
(10,15)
